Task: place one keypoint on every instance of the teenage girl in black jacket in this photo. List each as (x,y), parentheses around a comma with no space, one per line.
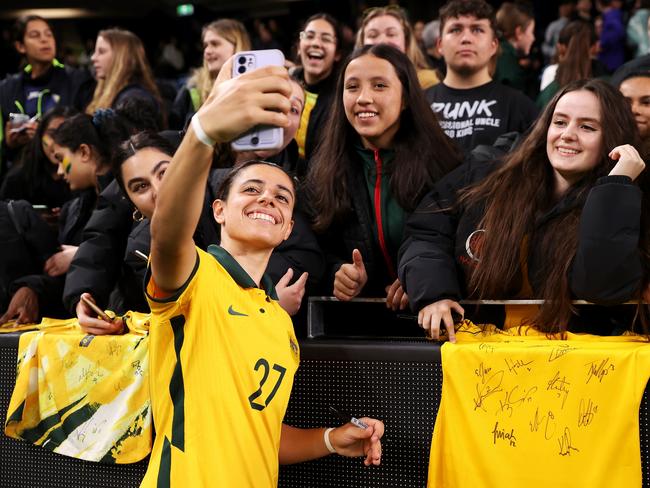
(382,151)
(561,218)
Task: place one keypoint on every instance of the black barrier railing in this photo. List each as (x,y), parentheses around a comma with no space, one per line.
(398,381)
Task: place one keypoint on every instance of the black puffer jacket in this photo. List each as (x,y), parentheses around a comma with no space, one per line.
(355,230)
(74,216)
(26,242)
(440,250)
(98,264)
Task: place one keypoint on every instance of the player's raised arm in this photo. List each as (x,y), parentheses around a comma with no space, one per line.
(234,106)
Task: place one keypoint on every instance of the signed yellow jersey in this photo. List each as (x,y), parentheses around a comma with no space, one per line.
(520,410)
(223,355)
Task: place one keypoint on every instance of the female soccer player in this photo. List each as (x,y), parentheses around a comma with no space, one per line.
(223,350)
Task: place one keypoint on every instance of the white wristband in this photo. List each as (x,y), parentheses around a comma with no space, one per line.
(200,133)
(326,438)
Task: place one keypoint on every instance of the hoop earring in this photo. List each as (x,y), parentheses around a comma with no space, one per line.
(137,216)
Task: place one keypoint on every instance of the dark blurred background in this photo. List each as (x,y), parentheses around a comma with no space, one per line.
(159,22)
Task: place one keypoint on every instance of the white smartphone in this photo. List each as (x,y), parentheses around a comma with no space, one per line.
(260,137)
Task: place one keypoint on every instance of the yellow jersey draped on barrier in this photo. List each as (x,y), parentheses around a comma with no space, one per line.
(520,410)
(82,395)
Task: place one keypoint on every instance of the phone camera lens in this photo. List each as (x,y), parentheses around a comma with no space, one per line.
(241,70)
(242,60)
(255,140)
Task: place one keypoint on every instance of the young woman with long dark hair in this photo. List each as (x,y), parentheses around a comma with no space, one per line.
(561,218)
(382,151)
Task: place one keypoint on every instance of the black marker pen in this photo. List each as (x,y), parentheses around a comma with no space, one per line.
(349,418)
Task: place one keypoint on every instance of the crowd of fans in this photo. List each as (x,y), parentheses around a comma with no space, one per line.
(435,162)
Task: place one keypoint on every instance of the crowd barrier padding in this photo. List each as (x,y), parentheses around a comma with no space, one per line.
(397,381)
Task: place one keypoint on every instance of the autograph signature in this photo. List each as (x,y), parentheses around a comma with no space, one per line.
(560,351)
(586,412)
(491,386)
(502,434)
(560,386)
(565,443)
(599,370)
(513,366)
(511,399)
(549,423)
(482,372)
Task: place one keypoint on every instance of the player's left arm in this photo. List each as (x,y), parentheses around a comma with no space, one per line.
(298,445)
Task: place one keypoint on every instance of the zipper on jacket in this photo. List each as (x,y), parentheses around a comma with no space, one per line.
(378,216)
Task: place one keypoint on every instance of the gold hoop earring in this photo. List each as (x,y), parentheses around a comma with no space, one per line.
(137,216)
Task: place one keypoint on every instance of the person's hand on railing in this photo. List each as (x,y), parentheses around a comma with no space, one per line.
(431,316)
(23,307)
(290,296)
(350,279)
(396,298)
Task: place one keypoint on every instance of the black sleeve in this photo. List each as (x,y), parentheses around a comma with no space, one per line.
(14,186)
(83,86)
(524,112)
(607,267)
(300,252)
(427,264)
(427,269)
(49,290)
(97,263)
(38,236)
(181,109)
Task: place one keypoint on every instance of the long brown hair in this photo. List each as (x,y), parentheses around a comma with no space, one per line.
(423,153)
(129,65)
(574,52)
(521,190)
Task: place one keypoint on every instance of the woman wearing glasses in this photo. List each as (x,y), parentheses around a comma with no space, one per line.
(319,52)
(390,25)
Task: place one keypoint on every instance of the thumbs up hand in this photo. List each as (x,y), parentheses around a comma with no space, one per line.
(350,279)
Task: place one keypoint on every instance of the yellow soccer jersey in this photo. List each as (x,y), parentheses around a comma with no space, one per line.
(223,356)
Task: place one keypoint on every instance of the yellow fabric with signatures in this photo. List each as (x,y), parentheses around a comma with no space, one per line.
(81,395)
(521,410)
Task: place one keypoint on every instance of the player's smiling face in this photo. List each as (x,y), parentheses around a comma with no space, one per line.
(259,207)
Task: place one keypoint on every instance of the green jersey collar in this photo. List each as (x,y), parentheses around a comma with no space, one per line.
(241,277)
